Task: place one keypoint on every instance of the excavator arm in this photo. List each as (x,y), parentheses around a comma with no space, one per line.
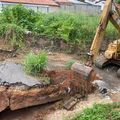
(107,15)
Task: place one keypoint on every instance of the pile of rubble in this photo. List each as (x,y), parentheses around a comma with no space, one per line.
(18,90)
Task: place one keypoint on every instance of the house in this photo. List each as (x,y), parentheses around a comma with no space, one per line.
(37,5)
(100,3)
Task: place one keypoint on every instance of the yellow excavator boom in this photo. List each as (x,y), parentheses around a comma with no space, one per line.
(107,15)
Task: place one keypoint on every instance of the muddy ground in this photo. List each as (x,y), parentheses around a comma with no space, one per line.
(109,76)
(54,111)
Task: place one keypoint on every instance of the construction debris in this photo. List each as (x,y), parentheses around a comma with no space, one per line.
(17,90)
(70,103)
(102,87)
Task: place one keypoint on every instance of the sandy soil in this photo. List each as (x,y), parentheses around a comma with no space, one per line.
(63,114)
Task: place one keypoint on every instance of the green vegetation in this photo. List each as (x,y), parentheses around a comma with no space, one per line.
(13,34)
(100,112)
(69,64)
(20,16)
(34,64)
(14,21)
(118,1)
(77,30)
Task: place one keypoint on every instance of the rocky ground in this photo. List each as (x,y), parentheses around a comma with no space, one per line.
(109,76)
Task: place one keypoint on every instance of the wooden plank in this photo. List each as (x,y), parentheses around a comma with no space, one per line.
(70,103)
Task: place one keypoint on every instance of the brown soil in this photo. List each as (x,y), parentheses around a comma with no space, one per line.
(52,111)
(32,113)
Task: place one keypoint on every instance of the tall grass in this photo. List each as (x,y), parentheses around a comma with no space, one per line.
(34,64)
(14,21)
(75,29)
(13,34)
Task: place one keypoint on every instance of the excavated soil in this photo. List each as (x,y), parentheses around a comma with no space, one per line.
(32,113)
(53,111)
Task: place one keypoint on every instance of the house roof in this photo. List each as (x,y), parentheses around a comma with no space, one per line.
(40,2)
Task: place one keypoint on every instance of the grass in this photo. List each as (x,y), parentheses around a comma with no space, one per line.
(13,34)
(35,64)
(75,29)
(100,112)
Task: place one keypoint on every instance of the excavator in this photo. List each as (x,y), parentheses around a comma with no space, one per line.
(112,54)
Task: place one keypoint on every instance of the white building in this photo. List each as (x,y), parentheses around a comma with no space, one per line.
(37,5)
(100,3)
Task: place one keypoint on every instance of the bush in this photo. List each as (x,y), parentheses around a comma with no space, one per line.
(77,30)
(13,34)
(20,16)
(100,112)
(14,21)
(118,1)
(34,64)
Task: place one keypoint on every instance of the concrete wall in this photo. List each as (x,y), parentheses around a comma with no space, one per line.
(76,8)
(41,8)
(81,8)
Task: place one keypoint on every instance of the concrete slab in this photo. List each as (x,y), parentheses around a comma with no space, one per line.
(13,73)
